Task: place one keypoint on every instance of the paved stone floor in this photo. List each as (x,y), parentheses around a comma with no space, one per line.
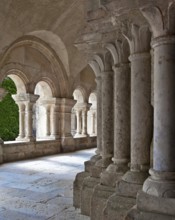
(41,188)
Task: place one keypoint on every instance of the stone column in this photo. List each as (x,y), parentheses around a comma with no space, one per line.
(121,126)
(141,125)
(92,124)
(65,108)
(21,135)
(157,198)
(141,109)
(73,122)
(99,114)
(116,170)
(20,101)
(48,121)
(107,119)
(84,122)
(29,102)
(79,124)
(54,125)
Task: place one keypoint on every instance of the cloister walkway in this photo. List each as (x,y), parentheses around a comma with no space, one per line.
(41,189)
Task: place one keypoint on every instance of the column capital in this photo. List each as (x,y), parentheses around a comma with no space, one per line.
(139,39)
(162,21)
(119,51)
(25,97)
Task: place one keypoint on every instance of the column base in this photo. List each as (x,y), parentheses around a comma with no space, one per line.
(125,197)
(78,182)
(112,174)
(86,194)
(100,166)
(80,135)
(30,139)
(117,207)
(99,198)
(152,208)
(77,186)
(20,139)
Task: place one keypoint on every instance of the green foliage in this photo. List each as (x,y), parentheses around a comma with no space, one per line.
(9,116)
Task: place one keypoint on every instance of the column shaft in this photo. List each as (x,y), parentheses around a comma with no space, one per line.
(107,115)
(141,111)
(28,120)
(48,120)
(122,114)
(78,122)
(99,116)
(54,122)
(21,121)
(164,106)
(84,122)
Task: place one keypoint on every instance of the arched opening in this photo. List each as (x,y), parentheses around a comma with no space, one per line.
(79,114)
(42,117)
(92,115)
(9,116)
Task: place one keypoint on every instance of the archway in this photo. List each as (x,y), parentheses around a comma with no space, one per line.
(42,117)
(92,115)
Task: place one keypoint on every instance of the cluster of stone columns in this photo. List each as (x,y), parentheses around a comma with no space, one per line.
(25,103)
(57,117)
(118,173)
(51,118)
(81,113)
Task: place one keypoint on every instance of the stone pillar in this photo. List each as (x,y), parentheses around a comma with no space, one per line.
(54,125)
(116,170)
(121,126)
(107,119)
(81,197)
(79,123)
(65,108)
(107,142)
(73,122)
(21,135)
(157,198)
(29,102)
(92,124)
(84,122)
(48,121)
(99,114)
(141,126)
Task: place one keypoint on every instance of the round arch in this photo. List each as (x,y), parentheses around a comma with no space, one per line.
(18,77)
(80,95)
(48,53)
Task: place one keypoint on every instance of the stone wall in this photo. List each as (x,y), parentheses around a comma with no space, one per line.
(13,151)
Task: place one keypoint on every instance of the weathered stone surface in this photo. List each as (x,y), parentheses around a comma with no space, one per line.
(98,201)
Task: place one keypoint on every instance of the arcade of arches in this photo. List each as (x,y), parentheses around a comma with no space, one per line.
(97,73)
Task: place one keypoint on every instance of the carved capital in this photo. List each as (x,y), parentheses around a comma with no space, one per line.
(162,22)
(139,39)
(119,51)
(101,63)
